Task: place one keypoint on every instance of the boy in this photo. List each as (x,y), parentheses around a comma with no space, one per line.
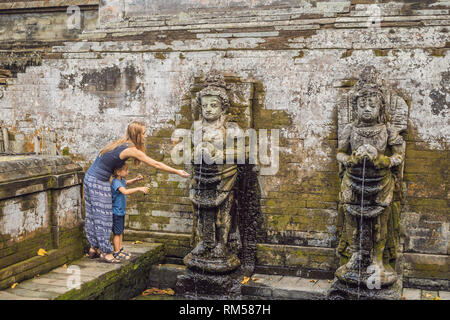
(119,204)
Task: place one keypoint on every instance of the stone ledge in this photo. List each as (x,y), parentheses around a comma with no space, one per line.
(98,280)
(431,268)
(23,175)
(16,5)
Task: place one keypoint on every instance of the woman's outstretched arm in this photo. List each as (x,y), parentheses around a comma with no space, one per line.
(141,156)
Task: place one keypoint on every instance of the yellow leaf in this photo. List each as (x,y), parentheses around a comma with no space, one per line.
(64,266)
(245,280)
(427,295)
(137,242)
(329,281)
(403,298)
(171,292)
(41,252)
(14,285)
(437,298)
(150,291)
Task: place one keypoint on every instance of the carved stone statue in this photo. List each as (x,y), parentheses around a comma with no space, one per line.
(371,155)
(211,191)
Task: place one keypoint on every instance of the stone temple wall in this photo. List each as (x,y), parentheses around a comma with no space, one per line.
(40,207)
(137,60)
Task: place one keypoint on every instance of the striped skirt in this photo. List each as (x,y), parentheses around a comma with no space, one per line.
(98,207)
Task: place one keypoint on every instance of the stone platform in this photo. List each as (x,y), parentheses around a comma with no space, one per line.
(98,280)
(277,287)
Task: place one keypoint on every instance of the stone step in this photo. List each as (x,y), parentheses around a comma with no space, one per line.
(285,287)
(96,279)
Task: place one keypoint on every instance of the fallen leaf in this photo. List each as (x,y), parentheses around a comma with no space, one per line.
(403,298)
(37,276)
(437,298)
(427,295)
(313,281)
(329,281)
(255,279)
(137,242)
(41,252)
(245,280)
(14,285)
(150,291)
(65,266)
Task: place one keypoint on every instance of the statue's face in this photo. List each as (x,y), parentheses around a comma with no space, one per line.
(368,108)
(211,108)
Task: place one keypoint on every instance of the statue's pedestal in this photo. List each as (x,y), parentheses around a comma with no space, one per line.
(343,291)
(205,286)
(224,264)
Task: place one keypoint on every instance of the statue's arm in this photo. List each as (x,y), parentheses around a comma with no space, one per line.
(398,146)
(344,150)
(398,154)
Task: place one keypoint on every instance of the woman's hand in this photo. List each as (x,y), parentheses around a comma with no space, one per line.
(183,173)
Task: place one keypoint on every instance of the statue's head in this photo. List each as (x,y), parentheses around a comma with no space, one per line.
(369,105)
(213,100)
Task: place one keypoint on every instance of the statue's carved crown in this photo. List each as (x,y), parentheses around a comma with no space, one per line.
(369,80)
(215,79)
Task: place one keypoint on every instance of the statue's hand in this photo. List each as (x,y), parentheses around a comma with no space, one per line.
(382,162)
(396,160)
(366,150)
(349,160)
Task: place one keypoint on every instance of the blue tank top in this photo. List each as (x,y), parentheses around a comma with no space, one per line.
(104,166)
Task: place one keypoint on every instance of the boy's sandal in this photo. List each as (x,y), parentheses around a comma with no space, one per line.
(120,255)
(104,259)
(125,253)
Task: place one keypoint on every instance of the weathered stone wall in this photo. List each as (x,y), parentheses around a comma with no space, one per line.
(40,207)
(300,57)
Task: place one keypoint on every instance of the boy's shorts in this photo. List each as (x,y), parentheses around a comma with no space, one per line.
(118,224)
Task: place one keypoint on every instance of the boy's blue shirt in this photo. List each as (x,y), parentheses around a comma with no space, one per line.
(119,200)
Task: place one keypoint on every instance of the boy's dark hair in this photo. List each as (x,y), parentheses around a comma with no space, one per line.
(115,175)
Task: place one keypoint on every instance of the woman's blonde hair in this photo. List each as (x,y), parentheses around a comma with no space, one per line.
(134,136)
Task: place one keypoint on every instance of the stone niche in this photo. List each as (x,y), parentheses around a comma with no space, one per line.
(40,207)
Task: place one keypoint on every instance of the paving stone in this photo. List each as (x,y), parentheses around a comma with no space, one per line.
(9,296)
(44,287)
(300,289)
(46,281)
(266,279)
(260,285)
(444,295)
(412,294)
(429,295)
(26,293)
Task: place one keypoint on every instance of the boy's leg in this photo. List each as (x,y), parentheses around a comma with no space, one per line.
(117,231)
(116,242)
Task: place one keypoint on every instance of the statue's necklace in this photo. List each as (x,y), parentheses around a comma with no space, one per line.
(368,132)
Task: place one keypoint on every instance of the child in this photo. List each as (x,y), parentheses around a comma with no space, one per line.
(119,204)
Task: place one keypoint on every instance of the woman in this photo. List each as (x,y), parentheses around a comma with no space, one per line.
(97,189)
